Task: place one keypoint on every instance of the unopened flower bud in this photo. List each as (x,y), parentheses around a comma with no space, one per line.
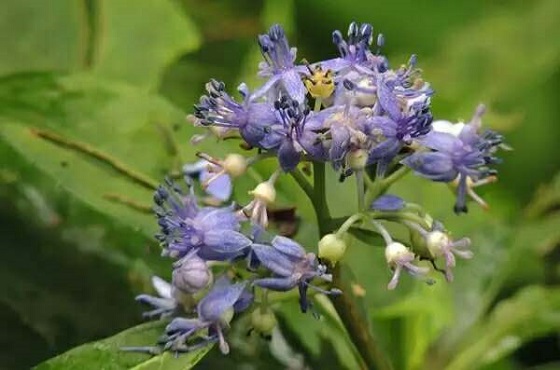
(263,322)
(235,164)
(264,192)
(437,241)
(395,252)
(191,275)
(332,248)
(357,159)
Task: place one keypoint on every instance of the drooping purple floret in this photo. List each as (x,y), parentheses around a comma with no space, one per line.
(212,233)
(284,77)
(251,118)
(219,188)
(463,157)
(214,313)
(291,267)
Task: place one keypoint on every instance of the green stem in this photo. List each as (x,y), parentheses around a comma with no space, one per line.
(380,186)
(348,223)
(319,198)
(303,183)
(346,305)
(360,189)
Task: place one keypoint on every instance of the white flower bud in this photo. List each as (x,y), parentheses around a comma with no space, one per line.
(235,164)
(395,252)
(263,322)
(264,192)
(332,248)
(357,159)
(437,242)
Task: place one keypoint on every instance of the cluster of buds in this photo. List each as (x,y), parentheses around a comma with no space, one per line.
(353,112)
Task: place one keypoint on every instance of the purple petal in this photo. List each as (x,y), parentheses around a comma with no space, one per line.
(291,80)
(388,203)
(278,284)
(335,65)
(387,149)
(220,187)
(180,324)
(288,247)
(288,156)
(273,259)
(441,141)
(224,244)
(434,166)
(218,300)
(266,87)
(218,219)
(388,100)
(340,143)
(244,301)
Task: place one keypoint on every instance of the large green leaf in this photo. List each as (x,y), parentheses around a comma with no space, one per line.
(107,353)
(40,35)
(49,120)
(136,43)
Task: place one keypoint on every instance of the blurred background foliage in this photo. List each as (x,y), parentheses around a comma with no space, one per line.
(93,96)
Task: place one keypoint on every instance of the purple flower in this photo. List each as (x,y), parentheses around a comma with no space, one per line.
(165,304)
(465,158)
(398,128)
(283,76)
(343,126)
(355,55)
(212,232)
(251,118)
(215,312)
(215,182)
(291,267)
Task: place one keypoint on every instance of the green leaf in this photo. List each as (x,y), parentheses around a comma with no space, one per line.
(40,35)
(107,354)
(532,312)
(49,120)
(546,199)
(136,43)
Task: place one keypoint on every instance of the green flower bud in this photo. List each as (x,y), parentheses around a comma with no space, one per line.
(332,248)
(263,322)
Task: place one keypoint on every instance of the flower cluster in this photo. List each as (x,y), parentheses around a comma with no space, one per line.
(353,112)
(198,236)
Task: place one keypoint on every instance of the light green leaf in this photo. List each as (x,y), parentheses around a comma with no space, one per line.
(49,120)
(41,35)
(136,42)
(107,354)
